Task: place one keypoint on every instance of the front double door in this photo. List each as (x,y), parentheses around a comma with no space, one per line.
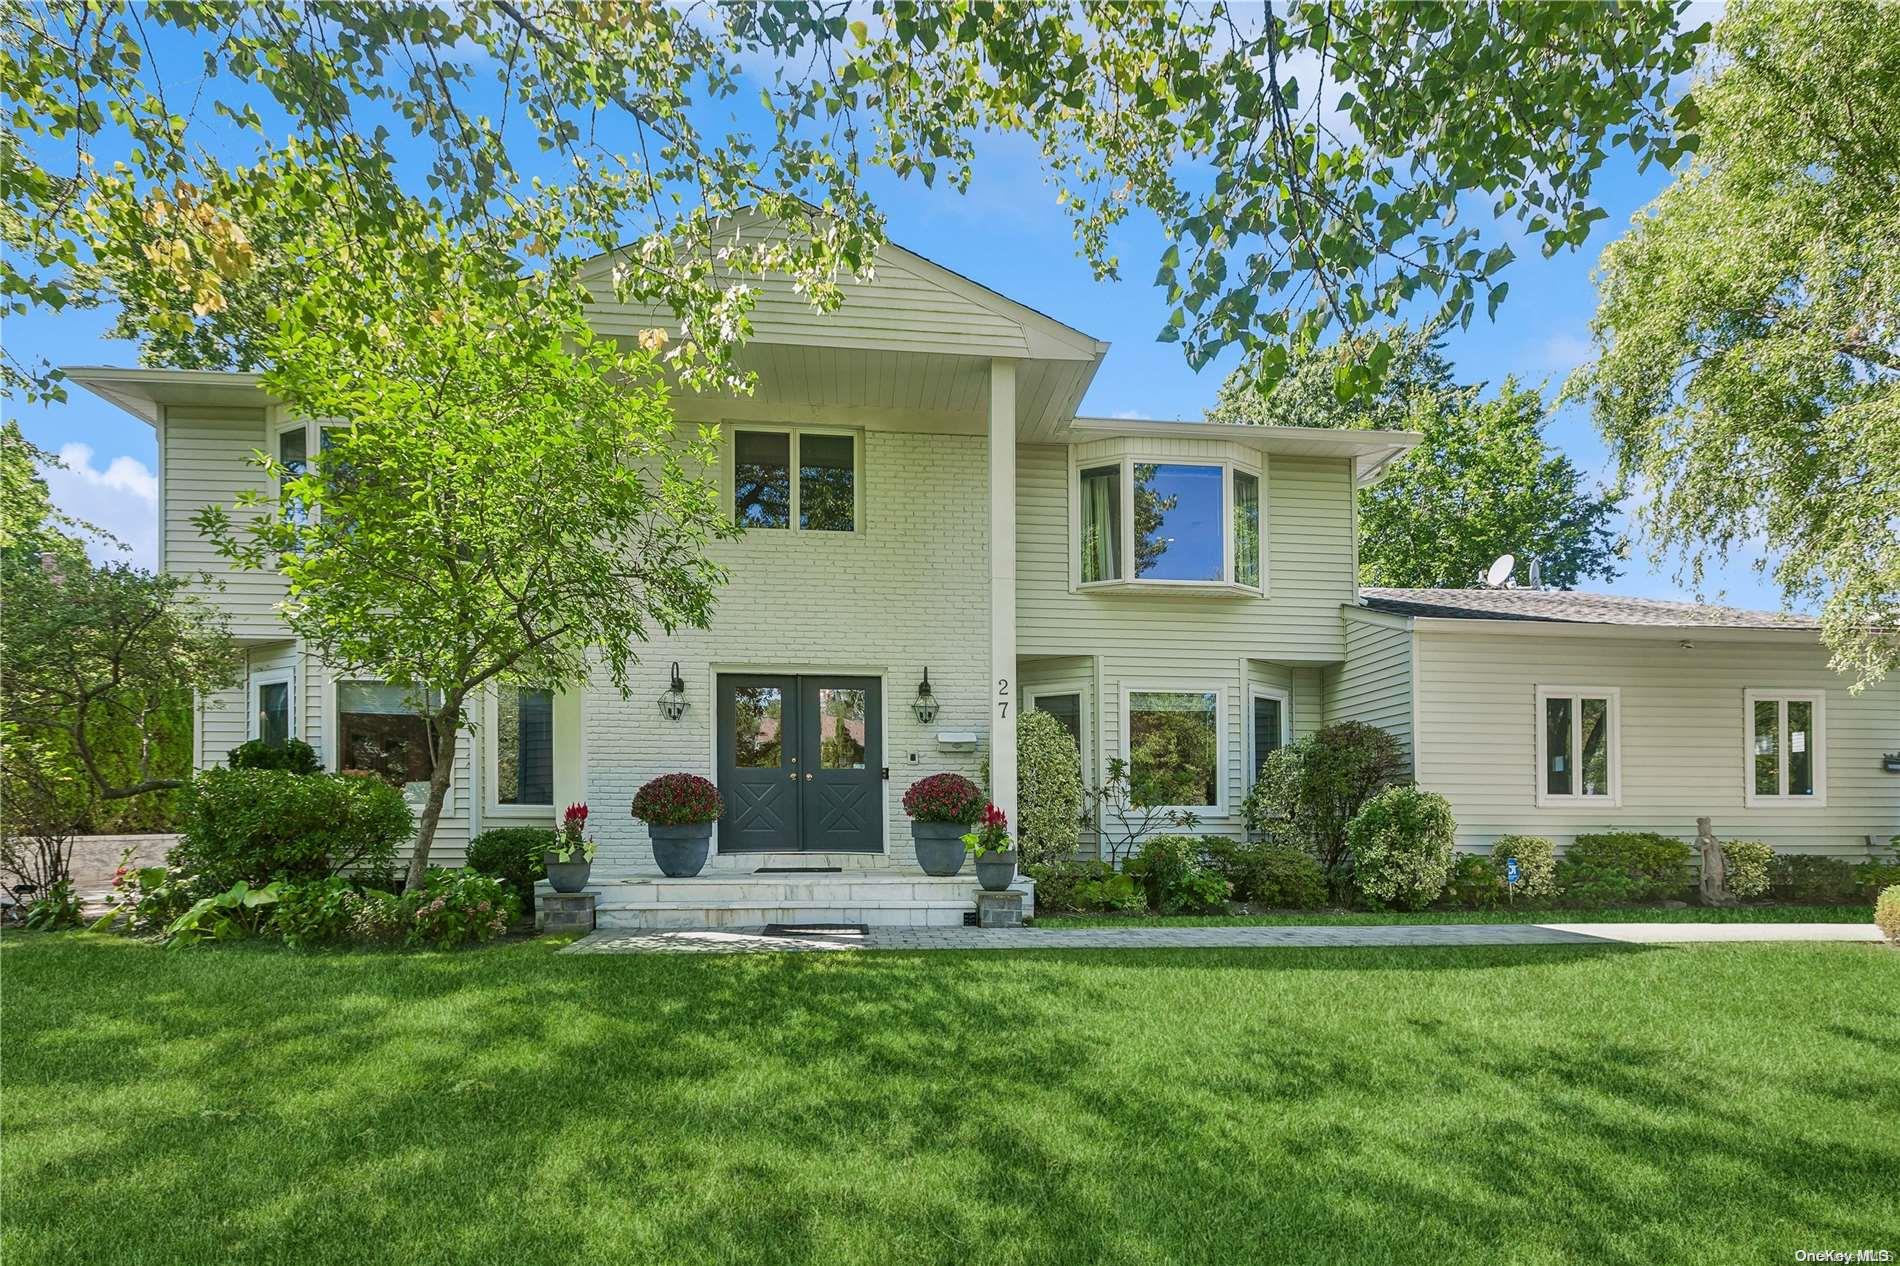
(801,764)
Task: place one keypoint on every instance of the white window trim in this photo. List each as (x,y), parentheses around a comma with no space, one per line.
(1085,718)
(1221,789)
(491,766)
(271,677)
(1286,727)
(1577,800)
(794,430)
(312,444)
(1127,461)
(1781,799)
(333,744)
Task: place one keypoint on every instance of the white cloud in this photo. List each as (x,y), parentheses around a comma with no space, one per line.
(121,498)
(1130,415)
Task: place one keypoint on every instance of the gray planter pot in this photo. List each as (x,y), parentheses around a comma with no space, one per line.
(566,876)
(940,848)
(680,851)
(995,871)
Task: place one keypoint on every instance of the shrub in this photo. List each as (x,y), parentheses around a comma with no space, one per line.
(1048,788)
(1171,870)
(1085,888)
(262,825)
(454,908)
(1811,881)
(1401,847)
(1747,863)
(294,757)
(1870,878)
(1279,876)
(238,912)
(316,912)
(1657,865)
(950,798)
(1536,864)
(1587,885)
(379,919)
(1887,914)
(58,907)
(1475,884)
(1315,786)
(677,800)
(514,854)
(148,898)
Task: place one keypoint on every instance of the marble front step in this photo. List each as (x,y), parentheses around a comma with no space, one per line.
(886,898)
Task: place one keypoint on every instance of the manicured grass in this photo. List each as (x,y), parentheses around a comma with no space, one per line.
(1314,918)
(1535,1104)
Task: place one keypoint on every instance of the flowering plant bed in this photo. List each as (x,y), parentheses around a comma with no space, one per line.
(944,798)
(678,800)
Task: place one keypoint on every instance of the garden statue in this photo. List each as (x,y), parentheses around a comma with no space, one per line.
(1714,872)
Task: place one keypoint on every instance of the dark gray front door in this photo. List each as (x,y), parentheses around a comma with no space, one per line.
(800,764)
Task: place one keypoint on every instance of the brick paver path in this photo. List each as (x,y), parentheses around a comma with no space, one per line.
(742,941)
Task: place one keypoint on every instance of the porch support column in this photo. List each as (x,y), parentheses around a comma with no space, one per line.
(1005,697)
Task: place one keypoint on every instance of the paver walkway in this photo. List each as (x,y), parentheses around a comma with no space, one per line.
(742,941)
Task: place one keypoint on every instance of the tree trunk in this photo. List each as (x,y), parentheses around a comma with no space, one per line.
(447,726)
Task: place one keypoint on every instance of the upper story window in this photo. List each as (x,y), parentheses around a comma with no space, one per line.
(296,441)
(787,477)
(1172,523)
(1786,757)
(1578,746)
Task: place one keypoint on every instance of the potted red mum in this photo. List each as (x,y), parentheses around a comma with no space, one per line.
(679,810)
(995,859)
(941,808)
(571,859)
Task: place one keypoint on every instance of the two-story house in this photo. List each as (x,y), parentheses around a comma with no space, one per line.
(936,541)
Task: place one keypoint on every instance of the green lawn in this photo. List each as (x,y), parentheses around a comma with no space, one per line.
(1535,1104)
(1315,918)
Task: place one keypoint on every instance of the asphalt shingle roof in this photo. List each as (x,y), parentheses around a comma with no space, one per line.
(1560,606)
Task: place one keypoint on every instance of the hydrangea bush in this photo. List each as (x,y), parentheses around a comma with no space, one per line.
(678,800)
(948,798)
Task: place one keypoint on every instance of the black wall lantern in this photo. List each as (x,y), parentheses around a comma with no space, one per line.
(924,706)
(673,702)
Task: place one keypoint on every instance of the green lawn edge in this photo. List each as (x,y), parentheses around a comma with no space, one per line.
(1347,918)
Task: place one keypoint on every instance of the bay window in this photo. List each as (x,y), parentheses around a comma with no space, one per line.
(1785,757)
(1181,523)
(1578,746)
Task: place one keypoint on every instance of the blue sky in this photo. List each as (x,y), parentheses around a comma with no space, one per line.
(1009,233)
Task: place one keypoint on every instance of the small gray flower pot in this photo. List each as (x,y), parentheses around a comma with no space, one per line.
(566,876)
(940,848)
(995,871)
(680,851)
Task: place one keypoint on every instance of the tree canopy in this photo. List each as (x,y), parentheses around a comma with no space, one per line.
(1482,482)
(504,498)
(1314,166)
(1748,327)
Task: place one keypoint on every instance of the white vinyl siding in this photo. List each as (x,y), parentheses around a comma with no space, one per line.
(1374,685)
(1682,737)
(207,460)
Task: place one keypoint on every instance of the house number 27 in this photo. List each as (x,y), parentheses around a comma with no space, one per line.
(1002,696)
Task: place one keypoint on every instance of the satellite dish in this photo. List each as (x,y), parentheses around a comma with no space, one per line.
(1500,571)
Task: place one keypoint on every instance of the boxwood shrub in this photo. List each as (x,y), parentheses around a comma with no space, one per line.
(1276,875)
(261,825)
(1747,864)
(1536,864)
(1655,866)
(294,757)
(513,854)
(1887,914)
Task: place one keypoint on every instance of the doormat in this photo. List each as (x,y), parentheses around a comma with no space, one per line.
(799,870)
(816,929)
